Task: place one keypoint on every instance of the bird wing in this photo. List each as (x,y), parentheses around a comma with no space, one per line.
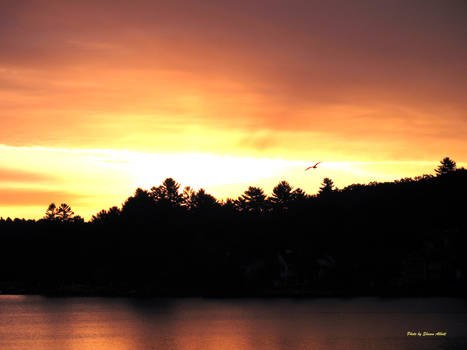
(314,166)
(308,168)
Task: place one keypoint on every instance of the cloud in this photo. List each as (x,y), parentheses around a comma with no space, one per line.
(33,197)
(16,175)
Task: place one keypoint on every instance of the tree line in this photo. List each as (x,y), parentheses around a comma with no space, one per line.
(405,236)
(168,196)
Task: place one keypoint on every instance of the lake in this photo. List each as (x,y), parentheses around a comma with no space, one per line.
(35,322)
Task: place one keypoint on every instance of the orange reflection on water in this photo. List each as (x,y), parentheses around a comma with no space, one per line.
(37,323)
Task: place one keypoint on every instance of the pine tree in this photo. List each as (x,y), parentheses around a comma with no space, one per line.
(327,187)
(447,165)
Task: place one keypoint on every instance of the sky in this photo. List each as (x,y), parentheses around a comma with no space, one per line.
(98,98)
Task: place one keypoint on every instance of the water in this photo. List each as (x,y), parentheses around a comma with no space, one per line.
(39,323)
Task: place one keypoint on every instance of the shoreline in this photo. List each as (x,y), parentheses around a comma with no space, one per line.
(85,291)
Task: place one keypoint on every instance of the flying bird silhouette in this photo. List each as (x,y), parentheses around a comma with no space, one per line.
(313,166)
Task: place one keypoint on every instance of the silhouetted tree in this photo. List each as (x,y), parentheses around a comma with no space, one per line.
(252,200)
(63,213)
(141,204)
(299,195)
(187,193)
(327,187)
(107,216)
(447,165)
(77,219)
(201,201)
(50,213)
(168,193)
(281,196)
(229,204)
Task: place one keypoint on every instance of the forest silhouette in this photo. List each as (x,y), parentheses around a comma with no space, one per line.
(406,237)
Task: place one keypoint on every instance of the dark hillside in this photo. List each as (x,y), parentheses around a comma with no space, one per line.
(402,237)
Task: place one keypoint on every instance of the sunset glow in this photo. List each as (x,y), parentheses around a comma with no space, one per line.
(99,98)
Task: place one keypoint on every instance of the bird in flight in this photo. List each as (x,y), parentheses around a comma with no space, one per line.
(313,166)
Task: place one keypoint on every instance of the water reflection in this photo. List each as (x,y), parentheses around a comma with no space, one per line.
(196,324)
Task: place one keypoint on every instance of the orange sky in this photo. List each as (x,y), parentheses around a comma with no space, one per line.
(98,97)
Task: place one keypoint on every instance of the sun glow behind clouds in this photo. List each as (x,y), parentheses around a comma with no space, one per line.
(203,170)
